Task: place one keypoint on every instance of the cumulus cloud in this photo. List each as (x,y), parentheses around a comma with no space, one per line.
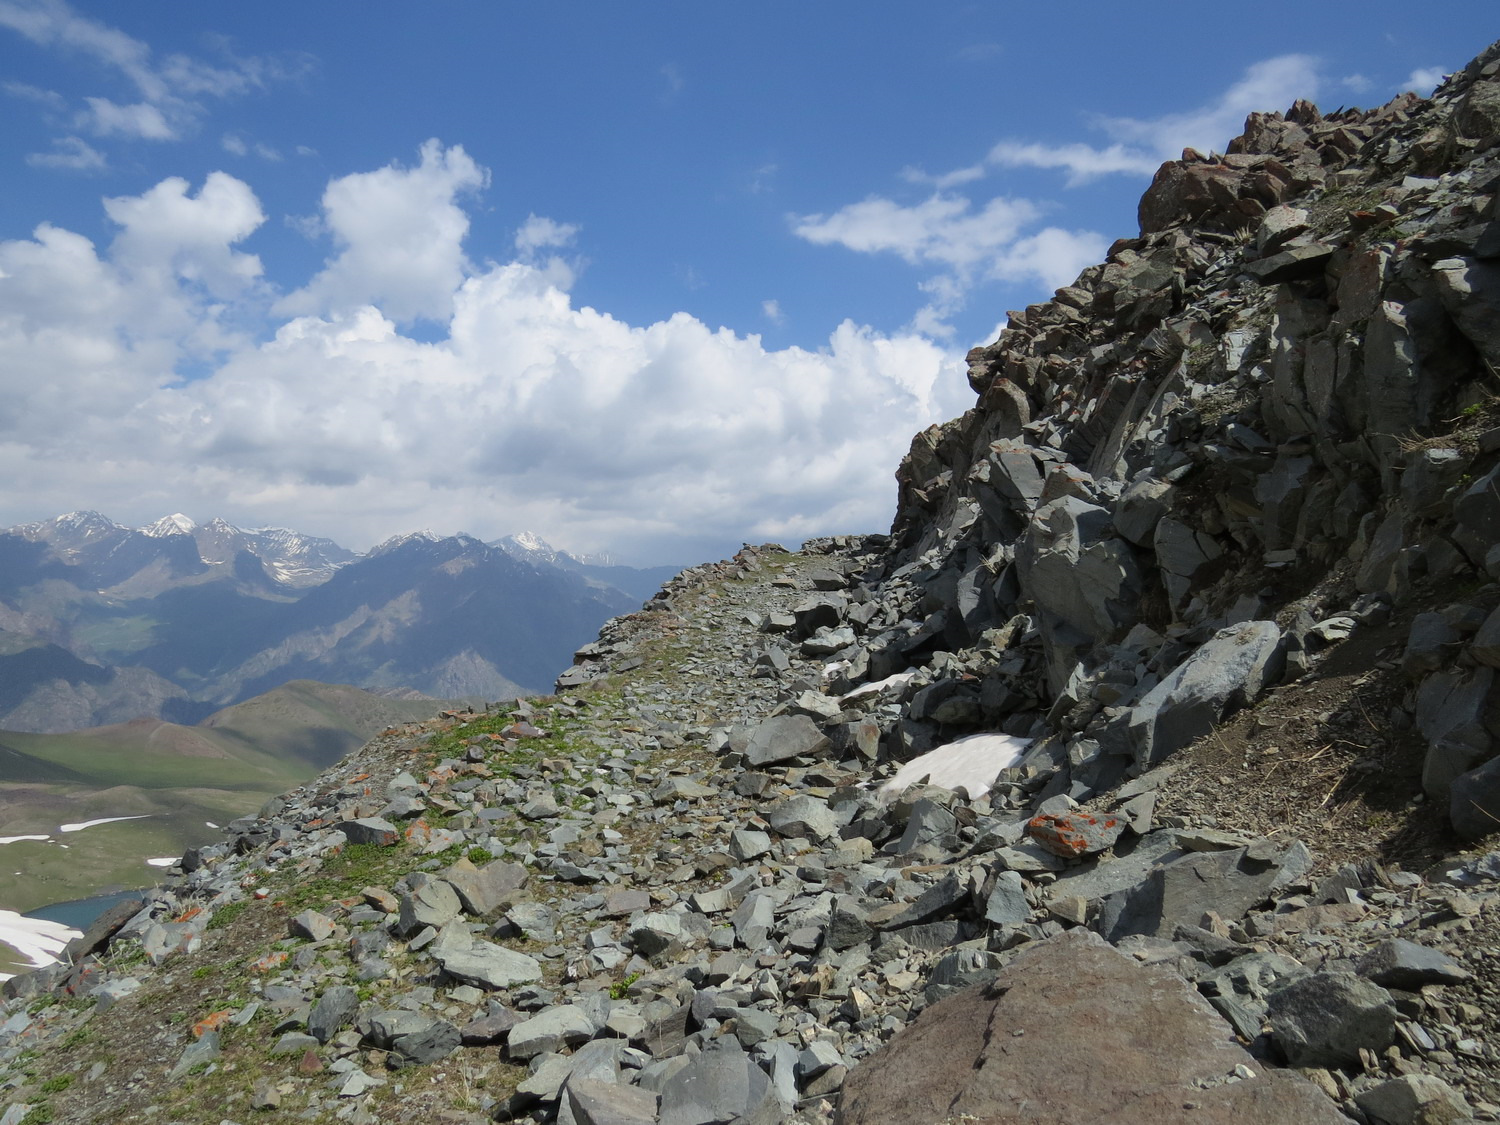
(170,92)
(399,236)
(661,441)
(942,228)
(168,231)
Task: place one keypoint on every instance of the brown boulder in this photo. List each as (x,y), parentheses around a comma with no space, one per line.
(1074,1030)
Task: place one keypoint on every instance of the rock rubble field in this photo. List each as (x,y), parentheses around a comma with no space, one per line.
(1146,771)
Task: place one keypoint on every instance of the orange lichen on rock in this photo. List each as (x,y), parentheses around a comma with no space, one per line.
(1075,833)
(212,1022)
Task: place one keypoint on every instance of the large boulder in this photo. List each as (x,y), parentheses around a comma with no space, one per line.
(1074,1030)
(1078,571)
(1227,672)
(1228,883)
(782,737)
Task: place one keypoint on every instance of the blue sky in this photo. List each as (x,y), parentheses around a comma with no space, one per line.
(653,279)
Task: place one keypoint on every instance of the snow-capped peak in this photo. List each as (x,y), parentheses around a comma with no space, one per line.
(423,536)
(175,524)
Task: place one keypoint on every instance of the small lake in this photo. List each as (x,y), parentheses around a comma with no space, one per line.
(81,912)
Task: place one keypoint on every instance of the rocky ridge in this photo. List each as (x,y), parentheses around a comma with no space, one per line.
(1247,465)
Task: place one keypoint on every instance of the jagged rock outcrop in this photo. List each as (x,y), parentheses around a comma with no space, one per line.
(1274,409)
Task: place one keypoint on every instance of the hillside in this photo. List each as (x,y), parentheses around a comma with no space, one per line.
(180,781)
(1145,772)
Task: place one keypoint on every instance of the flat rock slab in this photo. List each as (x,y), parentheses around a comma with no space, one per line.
(1074,1030)
(491,966)
(782,737)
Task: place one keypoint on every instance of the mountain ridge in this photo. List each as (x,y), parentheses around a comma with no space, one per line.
(99,622)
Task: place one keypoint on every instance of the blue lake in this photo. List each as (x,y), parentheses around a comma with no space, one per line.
(81,912)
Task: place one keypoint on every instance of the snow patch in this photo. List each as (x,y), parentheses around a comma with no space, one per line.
(82,824)
(165,861)
(39,941)
(15,839)
(970,762)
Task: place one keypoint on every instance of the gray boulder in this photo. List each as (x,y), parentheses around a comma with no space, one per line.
(437,1040)
(1179,893)
(435,903)
(1326,1018)
(1414,1099)
(782,737)
(370,830)
(721,1085)
(593,1102)
(1451,712)
(333,1010)
(803,816)
(490,966)
(484,890)
(1077,572)
(1227,672)
(1398,963)
(1474,801)
(551,1029)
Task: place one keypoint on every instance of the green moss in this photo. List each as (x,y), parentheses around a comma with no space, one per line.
(227,914)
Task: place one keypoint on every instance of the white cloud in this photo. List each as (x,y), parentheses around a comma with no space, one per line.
(51,99)
(672,74)
(662,441)
(771,310)
(141,120)
(234,144)
(1083,162)
(942,228)
(980,52)
(71,153)
(763,179)
(167,231)
(1140,145)
(969,245)
(1425,79)
(171,93)
(540,233)
(1272,84)
(993,242)
(399,233)
(956,178)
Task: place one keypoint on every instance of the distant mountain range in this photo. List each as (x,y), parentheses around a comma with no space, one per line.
(101,623)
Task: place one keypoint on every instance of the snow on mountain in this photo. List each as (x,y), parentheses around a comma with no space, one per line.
(70,532)
(175,524)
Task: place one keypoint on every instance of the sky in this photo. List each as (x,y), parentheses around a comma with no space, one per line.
(648,279)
